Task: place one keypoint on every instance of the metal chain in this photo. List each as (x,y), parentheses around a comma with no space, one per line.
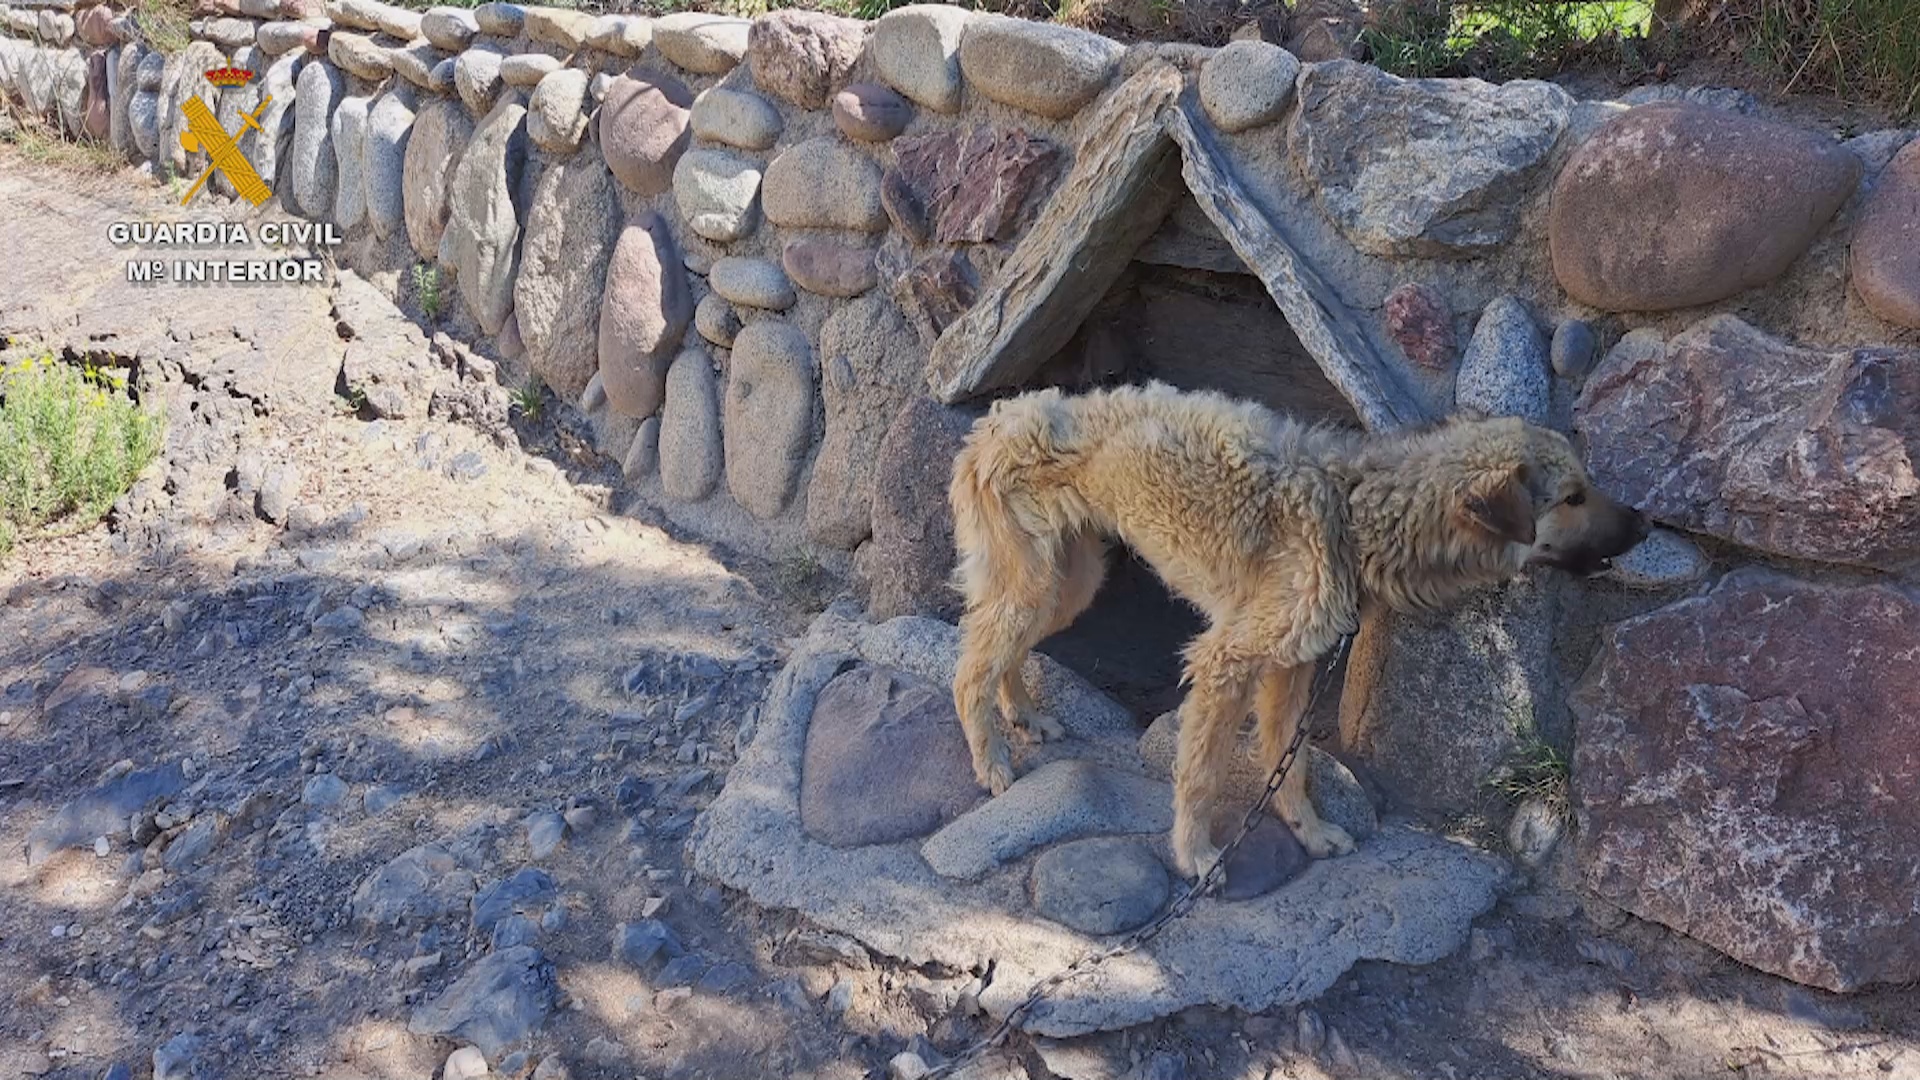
(1179,907)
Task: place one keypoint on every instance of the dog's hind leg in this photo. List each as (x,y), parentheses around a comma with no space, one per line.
(1082,568)
(1219,681)
(994,639)
(1279,706)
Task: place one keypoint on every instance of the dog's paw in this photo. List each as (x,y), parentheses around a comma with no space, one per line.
(996,772)
(1195,860)
(1041,727)
(1323,838)
(998,779)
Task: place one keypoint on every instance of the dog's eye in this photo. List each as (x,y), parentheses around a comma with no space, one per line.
(1576,498)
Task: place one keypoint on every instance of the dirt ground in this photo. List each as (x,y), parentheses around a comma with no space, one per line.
(456,635)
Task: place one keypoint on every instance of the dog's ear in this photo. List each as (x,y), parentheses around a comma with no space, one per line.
(1498,502)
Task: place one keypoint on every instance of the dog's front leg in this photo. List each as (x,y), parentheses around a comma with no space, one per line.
(1209,723)
(1280,707)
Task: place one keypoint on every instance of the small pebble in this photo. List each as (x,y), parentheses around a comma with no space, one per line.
(604,1051)
(633,793)
(1609,954)
(1338,1054)
(1310,1031)
(1664,560)
(1573,349)
(324,790)
(693,710)
(1484,944)
(511,931)
(341,620)
(968,1003)
(381,798)
(544,833)
(466,1063)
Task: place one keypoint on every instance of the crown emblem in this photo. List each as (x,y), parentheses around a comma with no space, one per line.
(229,76)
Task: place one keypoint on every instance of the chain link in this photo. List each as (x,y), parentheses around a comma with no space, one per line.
(1214,875)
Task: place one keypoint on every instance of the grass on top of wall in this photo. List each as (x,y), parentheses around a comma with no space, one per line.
(164,24)
(859,9)
(1864,51)
(1508,39)
(1857,50)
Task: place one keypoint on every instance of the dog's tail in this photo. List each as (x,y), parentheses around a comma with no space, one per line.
(992,537)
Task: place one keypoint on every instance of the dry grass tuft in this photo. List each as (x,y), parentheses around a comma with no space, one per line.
(164,24)
(1857,50)
(41,144)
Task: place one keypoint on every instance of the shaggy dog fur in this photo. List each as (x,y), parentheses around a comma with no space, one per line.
(1276,531)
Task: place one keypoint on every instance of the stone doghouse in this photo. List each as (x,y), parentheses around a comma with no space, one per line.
(780,264)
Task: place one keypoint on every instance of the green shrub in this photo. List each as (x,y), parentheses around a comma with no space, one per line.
(426,290)
(71,442)
(530,399)
(1504,39)
(1535,771)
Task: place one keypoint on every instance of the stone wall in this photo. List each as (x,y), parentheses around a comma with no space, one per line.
(779,263)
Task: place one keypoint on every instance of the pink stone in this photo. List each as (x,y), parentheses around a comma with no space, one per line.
(1748,769)
(968,188)
(1886,243)
(643,315)
(1675,205)
(95,27)
(98,121)
(937,290)
(870,113)
(643,127)
(1723,430)
(1419,322)
(801,56)
(828,267)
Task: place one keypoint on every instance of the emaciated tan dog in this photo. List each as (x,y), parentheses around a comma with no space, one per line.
(1278,532)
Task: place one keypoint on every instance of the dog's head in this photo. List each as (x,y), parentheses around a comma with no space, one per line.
(1527,488)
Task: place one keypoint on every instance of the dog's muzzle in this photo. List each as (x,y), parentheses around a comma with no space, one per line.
(1588,560)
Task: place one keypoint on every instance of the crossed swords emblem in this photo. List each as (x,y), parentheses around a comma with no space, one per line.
(205,131)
